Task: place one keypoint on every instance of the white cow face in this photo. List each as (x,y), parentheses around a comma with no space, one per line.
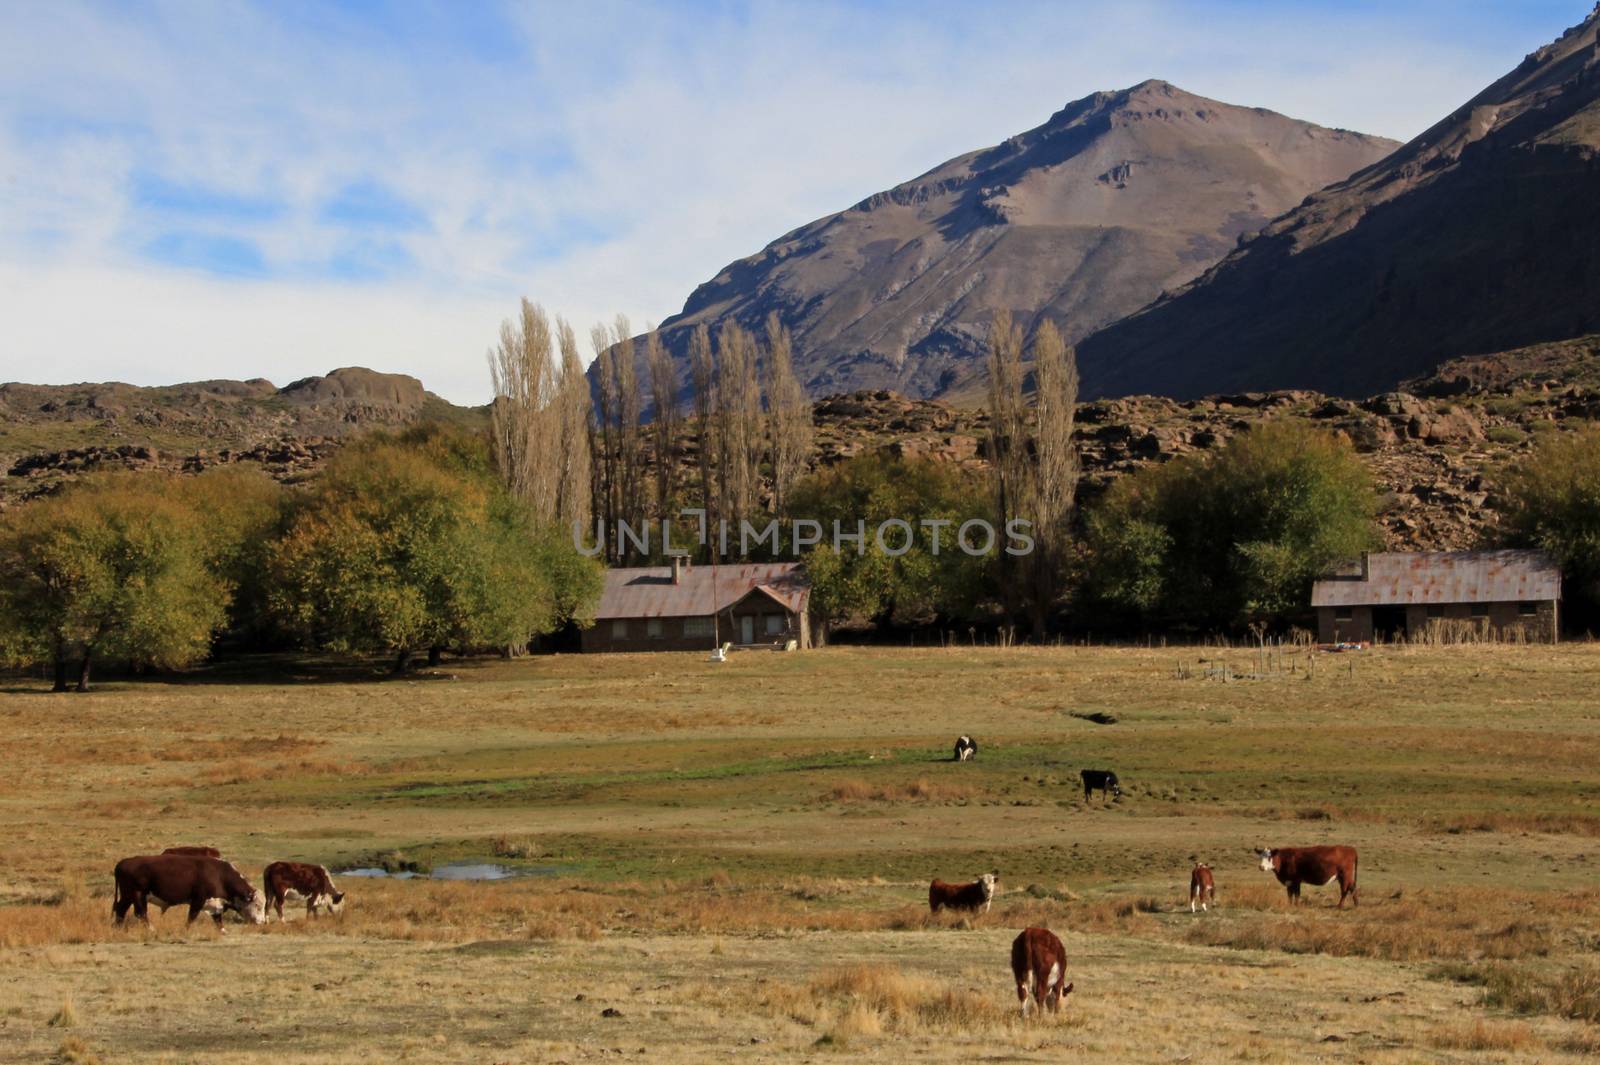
(989,880)
(254,909)
(1266,860)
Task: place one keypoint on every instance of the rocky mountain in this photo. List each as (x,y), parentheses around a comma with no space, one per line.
(1481,234)
(1086,218)
(48,432)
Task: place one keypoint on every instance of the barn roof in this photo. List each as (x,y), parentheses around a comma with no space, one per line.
(648,591)
(1397,578)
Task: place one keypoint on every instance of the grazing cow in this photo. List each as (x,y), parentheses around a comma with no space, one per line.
(1202,888)
(966,749)
(975,896)
(1317,866)
(1039,962)
(310,882)
(197,852)
(1104,779)
(201,883)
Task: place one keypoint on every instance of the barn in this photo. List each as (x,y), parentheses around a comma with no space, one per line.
(684,607)
(1401,595)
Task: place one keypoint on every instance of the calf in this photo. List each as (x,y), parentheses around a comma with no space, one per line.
(1202,888)
(1039,962)
(197,852)
(1317,866)
(310,882)
(974,897)
(1104,779)
(966,749)
(202,883)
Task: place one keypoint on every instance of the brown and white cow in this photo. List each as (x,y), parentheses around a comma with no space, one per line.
(1039,962)
(975,896)
(203,884)
(310,882)
(1317,866)
(1202,887)
(197,852)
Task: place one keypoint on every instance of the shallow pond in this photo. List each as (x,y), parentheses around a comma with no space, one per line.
(457,871)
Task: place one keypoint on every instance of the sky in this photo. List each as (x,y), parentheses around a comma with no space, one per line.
(229,189)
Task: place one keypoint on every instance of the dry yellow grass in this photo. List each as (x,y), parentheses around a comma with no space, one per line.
(735,859)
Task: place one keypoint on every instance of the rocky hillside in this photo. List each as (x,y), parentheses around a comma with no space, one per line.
(1086,218)
(1481,234)
(50,432)
(1434,446)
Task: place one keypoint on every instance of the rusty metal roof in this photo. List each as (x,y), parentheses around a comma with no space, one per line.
(1397,578)
(648,591)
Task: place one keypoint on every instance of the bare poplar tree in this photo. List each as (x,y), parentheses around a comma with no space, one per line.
(606,488)
(630,458)
(702,374)
(574,491)
(525,420)
(739,418)
(664,427)
(1055,480)
(788,414)
(1008,438)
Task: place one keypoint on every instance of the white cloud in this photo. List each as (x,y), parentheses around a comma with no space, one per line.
(597,158)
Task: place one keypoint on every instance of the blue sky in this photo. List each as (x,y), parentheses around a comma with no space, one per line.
(210,189)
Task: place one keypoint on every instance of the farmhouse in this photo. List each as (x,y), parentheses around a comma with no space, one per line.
(1394,595)
(683,607)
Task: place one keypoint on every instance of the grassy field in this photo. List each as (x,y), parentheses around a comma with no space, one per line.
(733,860)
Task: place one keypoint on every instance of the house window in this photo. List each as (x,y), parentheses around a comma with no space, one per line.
(697,626)
(1344,613)
(619,629)
(653,629)
(1528,610)
(1480,610)
(776,623)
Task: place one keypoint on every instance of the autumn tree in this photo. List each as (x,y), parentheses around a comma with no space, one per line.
(788,414)
(116,567)
(918,575)
(1052,484)
(574,490)
(665,424)
(630,460)
(1008,438)
(702,375)
(607,498)
(1232,537)
(739,424)
(525,418)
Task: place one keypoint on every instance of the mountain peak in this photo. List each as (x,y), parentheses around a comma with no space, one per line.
(1476,236)
(1083,219)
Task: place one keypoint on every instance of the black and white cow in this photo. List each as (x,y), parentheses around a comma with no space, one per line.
(966,749)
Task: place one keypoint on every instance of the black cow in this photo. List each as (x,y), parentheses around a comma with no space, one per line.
(966,749)
(1104,779)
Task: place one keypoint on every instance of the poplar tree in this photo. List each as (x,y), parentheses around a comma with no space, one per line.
(664,427)
(788,415)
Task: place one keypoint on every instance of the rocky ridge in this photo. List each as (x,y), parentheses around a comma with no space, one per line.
(1434,447)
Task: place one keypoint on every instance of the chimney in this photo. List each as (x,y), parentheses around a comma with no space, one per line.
(1366,565)
(677,569)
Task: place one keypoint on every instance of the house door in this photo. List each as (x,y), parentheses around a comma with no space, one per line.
(747,629)
(1389,623)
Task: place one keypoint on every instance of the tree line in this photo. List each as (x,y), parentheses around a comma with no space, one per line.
(402,545)
(586,457)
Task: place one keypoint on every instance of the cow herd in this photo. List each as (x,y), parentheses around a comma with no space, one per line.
(198,878)
(1038,958)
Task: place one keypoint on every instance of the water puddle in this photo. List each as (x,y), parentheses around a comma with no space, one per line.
(457,871)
